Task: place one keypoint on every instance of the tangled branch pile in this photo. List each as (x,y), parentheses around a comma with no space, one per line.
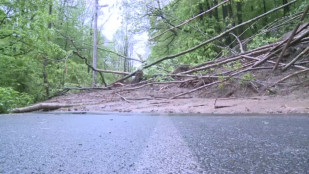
(280,56)
(290,53)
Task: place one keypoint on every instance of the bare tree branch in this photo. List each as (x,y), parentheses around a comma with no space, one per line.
(189,20)
(290,39)
(239,42)
(289,76)
(295,59)
(120,55)
(99,70)
(208,41)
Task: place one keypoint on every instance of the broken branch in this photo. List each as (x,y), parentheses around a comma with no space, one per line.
(295,59)
(191,19)
(290,39)
(289,76)
(207,41)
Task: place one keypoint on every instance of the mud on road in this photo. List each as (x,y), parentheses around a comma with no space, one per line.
(156,99)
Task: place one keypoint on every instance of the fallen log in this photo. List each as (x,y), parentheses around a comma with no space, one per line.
(273,62)
(154,83)
(41,106)
(212,65)
(256,51)
(196,89)
(91,88)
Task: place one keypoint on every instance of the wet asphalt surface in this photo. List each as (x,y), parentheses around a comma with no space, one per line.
(143,144)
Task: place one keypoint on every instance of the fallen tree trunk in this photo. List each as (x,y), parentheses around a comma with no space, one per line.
(94,88)
(41,106)
(154,83)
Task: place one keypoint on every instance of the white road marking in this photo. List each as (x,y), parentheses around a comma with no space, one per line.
(166,152)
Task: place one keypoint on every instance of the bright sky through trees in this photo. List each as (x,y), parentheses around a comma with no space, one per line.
(110,21)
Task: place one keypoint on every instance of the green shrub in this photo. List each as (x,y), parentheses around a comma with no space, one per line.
(246,78)
(10,99)
(259,41)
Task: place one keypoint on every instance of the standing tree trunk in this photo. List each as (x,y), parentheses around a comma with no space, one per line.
(90,41)
(125,53)
(231,14)
(45,77)
(265,10)
(286,9)
(45,60)
(200,7)
(216,15)
(224,12)
(95,49)
(224,16)
(208,7)
(239,15)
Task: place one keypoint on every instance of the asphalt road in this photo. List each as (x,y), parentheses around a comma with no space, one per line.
(129,144)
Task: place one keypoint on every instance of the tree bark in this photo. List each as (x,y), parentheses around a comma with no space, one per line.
(208,7)
(286,9)
(224,16)
(224,12)
(231,14)
(125,52)
(216,14)
(45,77)
(90,40)
(239,16)
(95,43)
(41,106)
(265,10)
(45,60)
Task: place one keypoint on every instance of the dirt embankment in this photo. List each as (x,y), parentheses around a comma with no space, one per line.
(155,99)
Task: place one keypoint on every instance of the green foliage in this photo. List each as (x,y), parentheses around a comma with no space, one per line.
(159,71)
(259,41)
(10,99)
(233,65)
(187,36)
(221,78)
(34,42)
(209,25)
(246,78)
(76,74)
